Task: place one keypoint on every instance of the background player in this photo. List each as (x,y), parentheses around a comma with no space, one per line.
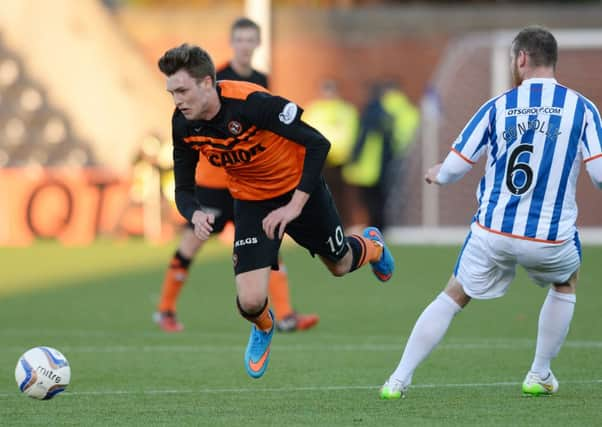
(536,135)
(245,38)
(214,197)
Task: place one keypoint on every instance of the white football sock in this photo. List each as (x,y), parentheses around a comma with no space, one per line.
(554,321)
(427,333)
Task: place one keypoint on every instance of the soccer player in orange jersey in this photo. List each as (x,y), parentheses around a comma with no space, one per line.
(273,162)
(214,197)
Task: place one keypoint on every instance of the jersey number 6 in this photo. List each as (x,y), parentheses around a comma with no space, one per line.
(516,169)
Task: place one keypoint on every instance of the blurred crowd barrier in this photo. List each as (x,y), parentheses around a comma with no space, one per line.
(75,206)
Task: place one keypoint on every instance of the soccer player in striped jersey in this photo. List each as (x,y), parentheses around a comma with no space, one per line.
(536,136)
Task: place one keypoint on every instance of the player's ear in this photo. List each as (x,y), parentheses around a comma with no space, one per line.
(522,58)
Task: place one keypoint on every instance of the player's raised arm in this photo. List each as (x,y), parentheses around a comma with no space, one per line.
(591,143)
(467,148)
(451,170)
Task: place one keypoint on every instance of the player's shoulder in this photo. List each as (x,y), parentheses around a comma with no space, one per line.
(261,79)
(223,71)
(234,89)
(494,104)
(501,98)
(261,75)
(588,103)
(222,67)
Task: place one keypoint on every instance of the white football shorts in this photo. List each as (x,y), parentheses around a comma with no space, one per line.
(487,262)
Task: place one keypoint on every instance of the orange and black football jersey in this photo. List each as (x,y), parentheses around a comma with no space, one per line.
(207,175)
(257,138)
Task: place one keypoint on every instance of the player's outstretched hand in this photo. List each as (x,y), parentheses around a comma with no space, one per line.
(203,224)
(431,174)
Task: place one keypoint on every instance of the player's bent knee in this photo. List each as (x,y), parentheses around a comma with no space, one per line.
(251,303)
(568,287)
(250,309)
(455,291)
(338,270)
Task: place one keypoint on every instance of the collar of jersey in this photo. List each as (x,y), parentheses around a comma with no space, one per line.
(539,80)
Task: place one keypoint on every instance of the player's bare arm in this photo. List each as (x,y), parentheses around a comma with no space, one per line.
(277,220)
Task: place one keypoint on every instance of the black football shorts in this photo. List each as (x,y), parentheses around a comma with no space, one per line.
(318,229)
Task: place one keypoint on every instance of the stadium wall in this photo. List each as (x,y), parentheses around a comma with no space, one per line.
(419,46)
(91,71)
(357,46)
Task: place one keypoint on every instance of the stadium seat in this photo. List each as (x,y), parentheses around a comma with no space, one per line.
(32,132)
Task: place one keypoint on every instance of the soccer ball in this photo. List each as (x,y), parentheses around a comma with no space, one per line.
(42,373)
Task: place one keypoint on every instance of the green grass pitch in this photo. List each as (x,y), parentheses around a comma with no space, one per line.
(94,304)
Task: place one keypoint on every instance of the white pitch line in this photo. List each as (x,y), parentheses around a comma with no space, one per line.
(115,333)
(490,342)
(393,341)
(510,345)
(294,389)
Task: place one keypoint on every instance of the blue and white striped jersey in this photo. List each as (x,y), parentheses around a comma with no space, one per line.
(536,136)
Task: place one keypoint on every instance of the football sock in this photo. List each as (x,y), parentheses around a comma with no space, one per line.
(175,277)
(279,293)
(363,250)
(261,319)
(427,333)
(554,321)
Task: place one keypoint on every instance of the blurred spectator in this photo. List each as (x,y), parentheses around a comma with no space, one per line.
(338,121)
(112,5)
(245,38)
(406,120)
(151,188)
(387,127)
